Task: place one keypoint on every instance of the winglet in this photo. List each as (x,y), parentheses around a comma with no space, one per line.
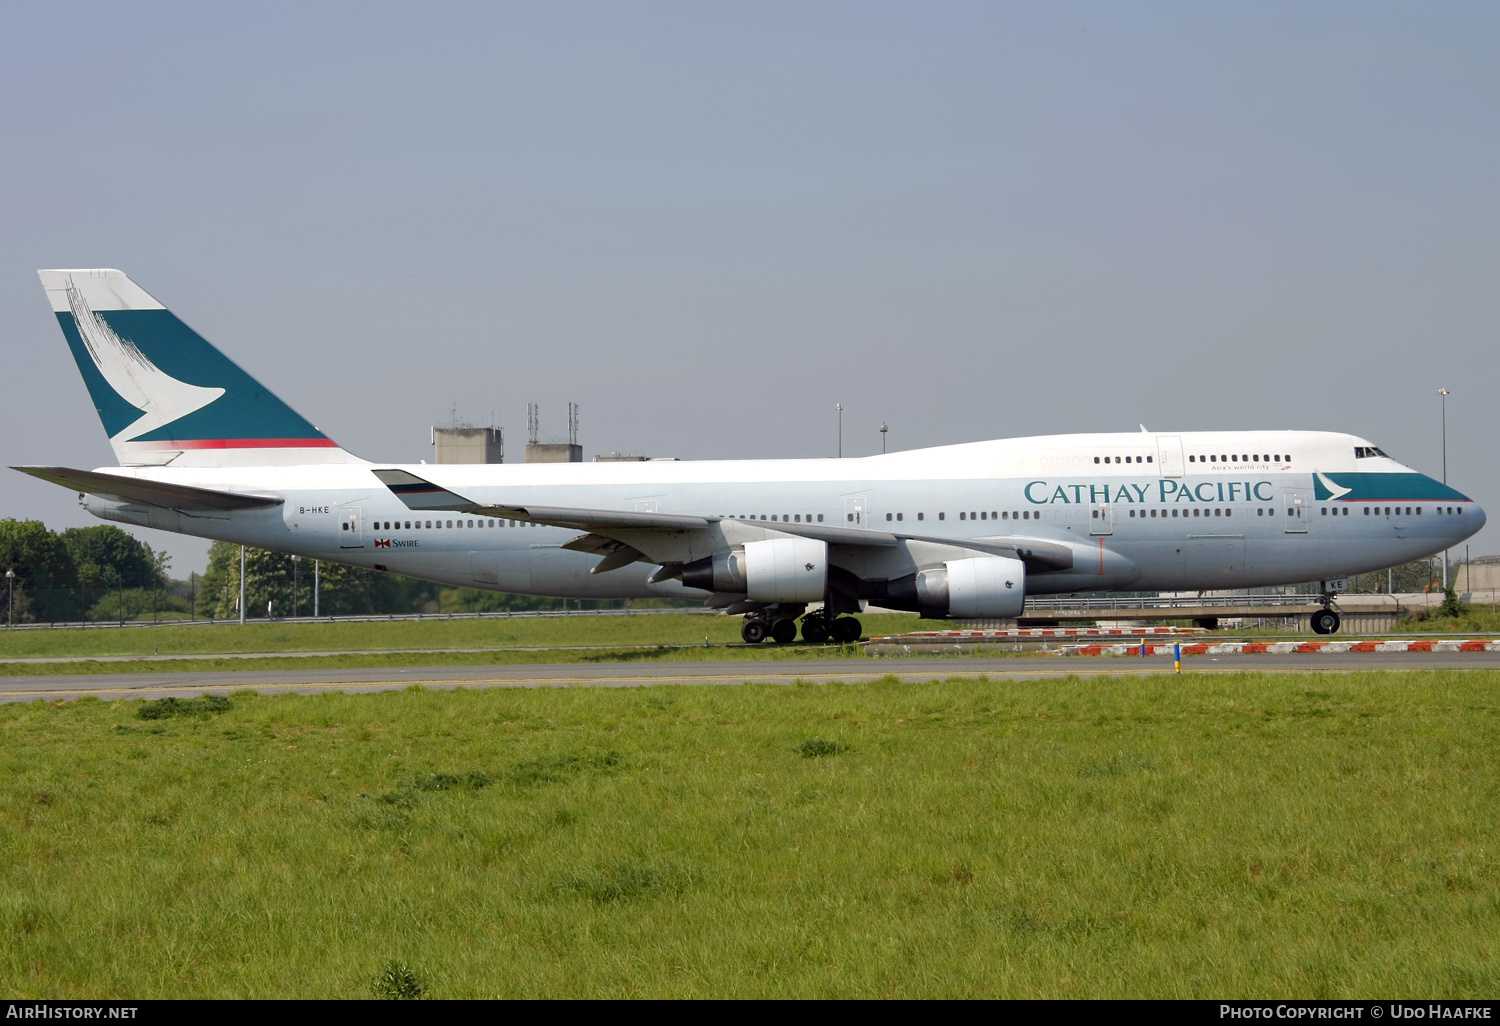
(423,495)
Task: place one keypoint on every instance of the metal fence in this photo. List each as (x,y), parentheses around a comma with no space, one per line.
(1158,602)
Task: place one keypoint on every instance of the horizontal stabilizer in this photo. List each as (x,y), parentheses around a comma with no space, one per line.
(152,493)
(423,495)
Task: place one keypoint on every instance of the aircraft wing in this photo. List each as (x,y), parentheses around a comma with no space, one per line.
(1036,553)
(152,493)
(422,495)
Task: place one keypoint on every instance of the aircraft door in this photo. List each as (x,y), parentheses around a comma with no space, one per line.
(1101,518)
(1294,502)
(351,528)
(1169,455)
(856,511)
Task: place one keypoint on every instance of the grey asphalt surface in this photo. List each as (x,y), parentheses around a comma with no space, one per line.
(307,682)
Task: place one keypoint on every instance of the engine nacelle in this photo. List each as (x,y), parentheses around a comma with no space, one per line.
(773,570)
(984,587)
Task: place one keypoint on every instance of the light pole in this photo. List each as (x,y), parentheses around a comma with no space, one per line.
(1443,393)
(295,561)
(316,579)
(883,429)
(840,408)
(242,585)
(10,605)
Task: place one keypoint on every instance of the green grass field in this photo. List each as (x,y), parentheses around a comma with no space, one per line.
(413,635)
(1239,835)
(501,657)
(434,642)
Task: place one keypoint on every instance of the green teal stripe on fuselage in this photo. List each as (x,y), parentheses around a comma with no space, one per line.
(1409,487)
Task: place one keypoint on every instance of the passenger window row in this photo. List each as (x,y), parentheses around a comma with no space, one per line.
(1018,514)
(1292,512)
(417,525)
(1439,510)
(787,518)
(1254,457)
(799,518)
(438,525)
(410,525)
(1126,459)
(1143,514)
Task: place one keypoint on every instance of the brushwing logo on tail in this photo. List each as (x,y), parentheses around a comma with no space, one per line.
(160,397)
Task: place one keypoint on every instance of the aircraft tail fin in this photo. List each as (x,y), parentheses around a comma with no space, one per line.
(164,394)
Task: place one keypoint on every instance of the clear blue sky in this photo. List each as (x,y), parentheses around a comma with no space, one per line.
(709,223)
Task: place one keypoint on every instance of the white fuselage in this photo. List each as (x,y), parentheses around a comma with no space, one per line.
(1140,511)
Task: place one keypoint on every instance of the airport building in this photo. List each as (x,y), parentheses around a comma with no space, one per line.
(468,445)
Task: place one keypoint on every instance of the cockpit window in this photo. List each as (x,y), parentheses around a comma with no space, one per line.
(1362,452)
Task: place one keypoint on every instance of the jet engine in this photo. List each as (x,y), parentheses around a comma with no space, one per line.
(773,570)
(979,588)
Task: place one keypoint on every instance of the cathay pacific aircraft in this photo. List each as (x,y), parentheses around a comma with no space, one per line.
(958,531)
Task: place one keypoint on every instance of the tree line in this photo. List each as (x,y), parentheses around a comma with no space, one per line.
(81,573)
(106,574)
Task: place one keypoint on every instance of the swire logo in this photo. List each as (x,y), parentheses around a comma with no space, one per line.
(386,543)
(382,543)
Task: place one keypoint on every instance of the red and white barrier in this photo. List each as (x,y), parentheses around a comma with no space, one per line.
(1282,647)
(1020,633)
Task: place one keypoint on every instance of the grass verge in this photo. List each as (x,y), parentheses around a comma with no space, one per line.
(503,657)
(272,636)
(1241,835)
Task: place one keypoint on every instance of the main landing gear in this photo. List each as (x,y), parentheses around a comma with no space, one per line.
(768,623)
(820,626)
(781,627)
(1324,621)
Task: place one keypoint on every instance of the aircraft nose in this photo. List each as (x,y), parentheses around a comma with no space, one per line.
(1473,526)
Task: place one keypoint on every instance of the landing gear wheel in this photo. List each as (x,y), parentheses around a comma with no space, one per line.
(784,631)
(814,630)
(753,631)
(1325,622)
(847,629)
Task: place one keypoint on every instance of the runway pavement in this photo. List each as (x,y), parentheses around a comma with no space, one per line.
(186,685)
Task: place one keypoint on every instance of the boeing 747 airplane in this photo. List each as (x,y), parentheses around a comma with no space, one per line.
(957,531)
